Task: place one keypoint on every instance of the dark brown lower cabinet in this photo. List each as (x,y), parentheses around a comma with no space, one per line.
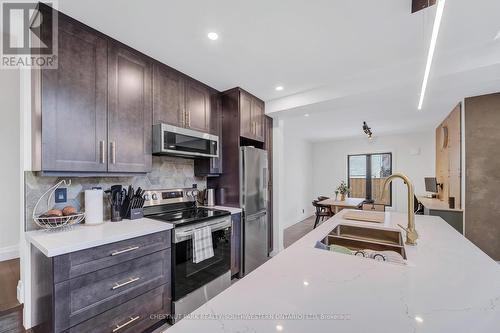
(134,316)
(236,245)
(113,287)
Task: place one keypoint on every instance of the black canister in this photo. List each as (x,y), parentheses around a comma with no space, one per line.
(451,202)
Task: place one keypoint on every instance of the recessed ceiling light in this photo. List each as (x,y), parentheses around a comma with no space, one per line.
(279,88)
(306,115)
(432,48)
(213,36)
(306,283)
(419,319)
(279,328)
(497,36)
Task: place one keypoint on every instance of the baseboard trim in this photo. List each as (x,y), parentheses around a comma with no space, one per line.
(20,292)
(9,252)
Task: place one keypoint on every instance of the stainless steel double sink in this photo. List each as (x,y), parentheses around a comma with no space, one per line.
(359,238)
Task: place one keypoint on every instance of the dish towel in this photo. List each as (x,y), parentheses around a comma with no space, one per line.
(202,244)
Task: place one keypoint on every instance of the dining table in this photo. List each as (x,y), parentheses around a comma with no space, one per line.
(337,205)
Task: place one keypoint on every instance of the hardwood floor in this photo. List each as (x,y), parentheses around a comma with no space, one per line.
(11,312)
(9,276)
(297,231)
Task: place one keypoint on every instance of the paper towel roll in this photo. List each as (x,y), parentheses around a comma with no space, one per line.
(94,207)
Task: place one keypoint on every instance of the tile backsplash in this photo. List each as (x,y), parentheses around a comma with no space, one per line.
(168,172)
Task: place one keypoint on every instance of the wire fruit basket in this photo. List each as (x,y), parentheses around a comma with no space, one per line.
(53,222)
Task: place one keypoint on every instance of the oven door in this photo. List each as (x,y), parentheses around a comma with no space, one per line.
(177,141)
(189,276)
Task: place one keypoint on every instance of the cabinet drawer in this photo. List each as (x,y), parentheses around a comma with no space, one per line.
(131,317)
(74,264)
(88,295)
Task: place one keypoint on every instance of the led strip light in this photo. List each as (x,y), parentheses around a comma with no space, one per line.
(432,48)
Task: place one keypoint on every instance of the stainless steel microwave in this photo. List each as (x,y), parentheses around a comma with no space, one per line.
(183,142)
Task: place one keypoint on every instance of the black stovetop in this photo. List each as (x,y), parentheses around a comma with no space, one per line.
(189,215)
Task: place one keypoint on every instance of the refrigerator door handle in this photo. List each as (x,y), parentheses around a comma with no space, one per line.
(266,176)
(265,184)
(243,183)
(255,215)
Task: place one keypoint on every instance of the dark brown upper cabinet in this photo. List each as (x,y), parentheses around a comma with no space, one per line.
(197,106)
(93,114)
(129,110)
(180,100)
(212,167)
(168,96)
(72,101)
(246,125)
(258,119)
(251,117)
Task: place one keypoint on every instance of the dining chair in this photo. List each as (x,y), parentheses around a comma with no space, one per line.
(322,212)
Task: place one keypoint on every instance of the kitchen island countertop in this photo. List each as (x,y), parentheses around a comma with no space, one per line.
(448,285)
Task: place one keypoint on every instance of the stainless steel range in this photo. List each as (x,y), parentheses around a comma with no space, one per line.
(192,283)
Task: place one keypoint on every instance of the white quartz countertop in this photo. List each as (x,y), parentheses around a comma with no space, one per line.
(232,210)
(79,237)
(448,285)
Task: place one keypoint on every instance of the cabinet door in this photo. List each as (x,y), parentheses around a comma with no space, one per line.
(73,103)
(258,119)
(197,106)
(168,96)
(129,110)
(212,167)
(216,162)
(246,125)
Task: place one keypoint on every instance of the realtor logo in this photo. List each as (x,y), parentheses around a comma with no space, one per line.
(29,38)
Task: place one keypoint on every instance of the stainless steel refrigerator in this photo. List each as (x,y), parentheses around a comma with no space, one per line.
(254,175)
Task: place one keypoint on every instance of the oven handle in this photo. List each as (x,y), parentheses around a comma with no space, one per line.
(214,227)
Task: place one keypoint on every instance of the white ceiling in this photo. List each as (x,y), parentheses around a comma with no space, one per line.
(340,61)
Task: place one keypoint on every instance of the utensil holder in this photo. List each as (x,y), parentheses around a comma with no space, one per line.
(115,213)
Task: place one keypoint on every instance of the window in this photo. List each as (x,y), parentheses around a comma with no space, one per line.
(367,173)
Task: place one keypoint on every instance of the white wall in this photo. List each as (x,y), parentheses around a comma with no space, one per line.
(297,188)
(412,154)
(10,166)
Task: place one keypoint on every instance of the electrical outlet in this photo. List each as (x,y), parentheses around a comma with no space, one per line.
(61,195)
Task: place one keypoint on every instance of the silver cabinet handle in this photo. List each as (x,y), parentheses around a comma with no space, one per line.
(125,250)
(119,285)
(130,321)
(189,119)
(113,152)
(102,153)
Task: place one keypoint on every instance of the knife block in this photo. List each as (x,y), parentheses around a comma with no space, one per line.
(136,213)
(131,213)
